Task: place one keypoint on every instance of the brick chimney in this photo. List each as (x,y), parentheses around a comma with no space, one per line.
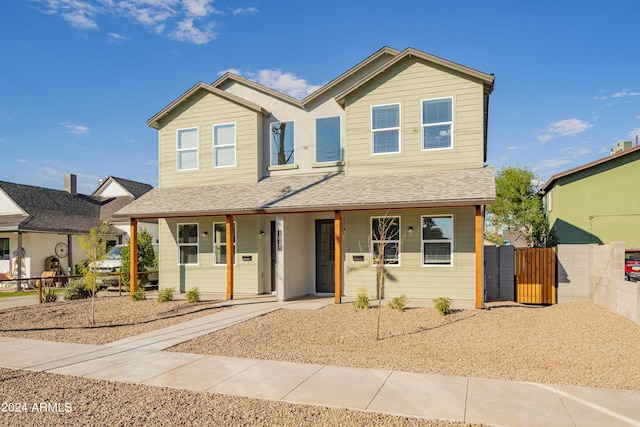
(70,183)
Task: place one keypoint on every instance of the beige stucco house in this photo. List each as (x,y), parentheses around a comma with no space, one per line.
(292,191)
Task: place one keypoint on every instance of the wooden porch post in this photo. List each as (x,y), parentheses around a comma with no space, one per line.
(479,258)
(133,256)
(337,233)
(230,256)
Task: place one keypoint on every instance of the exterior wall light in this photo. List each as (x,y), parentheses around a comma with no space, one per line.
(410,229)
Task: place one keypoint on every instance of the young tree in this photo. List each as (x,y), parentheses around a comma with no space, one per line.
(95,248)
(146,258)
(384,230)
(518,206)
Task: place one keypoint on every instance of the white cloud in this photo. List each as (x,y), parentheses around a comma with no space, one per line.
(75,129)
(637,117)
(633,133)
(240,10)
(550,164)
(283,81)
(187,32)
(513,148)
(568,127)
(624,93)
(578,151)
(80,20)
(116,37)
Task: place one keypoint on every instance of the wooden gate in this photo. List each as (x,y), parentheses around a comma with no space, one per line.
(536,275)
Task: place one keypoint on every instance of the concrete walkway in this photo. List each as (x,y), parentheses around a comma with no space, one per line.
(472,400)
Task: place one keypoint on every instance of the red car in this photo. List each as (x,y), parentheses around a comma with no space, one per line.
(632,265)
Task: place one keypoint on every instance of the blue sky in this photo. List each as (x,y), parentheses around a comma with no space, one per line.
(79,78)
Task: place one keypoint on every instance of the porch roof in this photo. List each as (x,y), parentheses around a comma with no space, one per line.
(319,192)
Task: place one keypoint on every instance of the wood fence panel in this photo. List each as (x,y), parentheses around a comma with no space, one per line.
(536,275)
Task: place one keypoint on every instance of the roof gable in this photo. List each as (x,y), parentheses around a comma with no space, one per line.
(8,206)
(119,187)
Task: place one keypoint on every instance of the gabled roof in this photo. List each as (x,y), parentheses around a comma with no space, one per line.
(134,188)
(587,166)
(319,192)
(487,79)
(198,87)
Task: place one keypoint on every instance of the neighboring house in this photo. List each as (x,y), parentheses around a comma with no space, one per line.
(292,191)
(514,238)
(43,223)
(596,202)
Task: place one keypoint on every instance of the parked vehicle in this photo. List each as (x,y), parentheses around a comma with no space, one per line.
(632,265)
(112,264)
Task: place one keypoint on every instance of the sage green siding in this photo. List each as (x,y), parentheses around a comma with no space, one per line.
(410,277)
(409,83)
(206,276)
(202,111)
(598,204)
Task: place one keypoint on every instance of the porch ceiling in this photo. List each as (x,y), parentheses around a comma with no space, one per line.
(319,192)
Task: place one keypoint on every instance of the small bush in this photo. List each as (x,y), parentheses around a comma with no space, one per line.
(362,300)
(49,295)
(193,295)
(443,305)
(138,295)
(398,303)
(75,289)
(165,295)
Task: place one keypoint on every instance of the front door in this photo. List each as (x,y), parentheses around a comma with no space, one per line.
(273,256)
(325,256)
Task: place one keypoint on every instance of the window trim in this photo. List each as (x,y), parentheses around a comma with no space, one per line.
(215,147)
(423,241)
(181,150)
(426,125)
(398,128)
(398,241)
(293,164)
(315,132)
(180,244)
(235,243)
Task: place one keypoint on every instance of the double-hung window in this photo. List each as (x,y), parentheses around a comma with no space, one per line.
(188,244)
(224,145)
(328,139)
(220,242)
(4,248)
(437,240)
(282,144)
(437,123)
(385,239)
(187,148)
(385,128)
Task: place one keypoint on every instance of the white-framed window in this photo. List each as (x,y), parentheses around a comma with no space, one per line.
(385,239)
(549,201)
(220,242)
(4,248)
(385,128)
(437,240)
(328,130)
(224,145)
(282,143)
(187,149)
(188,244)
(437,123)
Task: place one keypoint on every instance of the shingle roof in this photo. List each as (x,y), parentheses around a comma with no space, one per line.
(320,192)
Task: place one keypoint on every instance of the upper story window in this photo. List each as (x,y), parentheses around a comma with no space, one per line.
(188,244)
(328,139)
(437,240)
(385,239)
(549,201)
(385,127)
(220,242)
(282,143)
(437,123)
(187,148)
(224,145)
(4,248)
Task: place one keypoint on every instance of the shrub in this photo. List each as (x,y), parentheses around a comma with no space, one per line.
(362,300)
(165,295)
(193,295)
(398,303)
(138,295)
(49,295)
(75,289)
(443,305)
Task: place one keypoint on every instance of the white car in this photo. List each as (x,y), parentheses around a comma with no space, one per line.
(112,264)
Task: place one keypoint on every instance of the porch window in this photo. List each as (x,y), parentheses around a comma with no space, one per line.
(437,123)
(385,239)
(328,139)
(282,143)
(437,240)
(224,145)
(188,244)
(220,242)
(187,149)
(4,248)
(385,128)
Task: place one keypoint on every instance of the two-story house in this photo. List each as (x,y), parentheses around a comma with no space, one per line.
(260,192)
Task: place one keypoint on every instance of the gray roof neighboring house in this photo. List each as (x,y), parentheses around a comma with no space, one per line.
(319,192)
